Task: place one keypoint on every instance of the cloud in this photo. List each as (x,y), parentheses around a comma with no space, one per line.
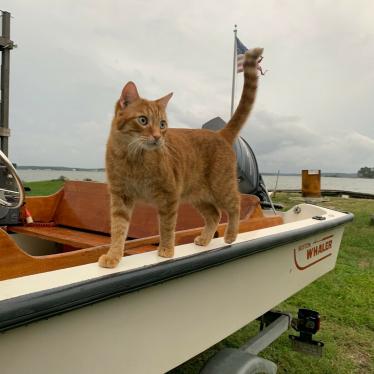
(289,145)
(314,107)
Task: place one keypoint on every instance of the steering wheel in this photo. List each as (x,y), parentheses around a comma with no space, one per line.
(12,193)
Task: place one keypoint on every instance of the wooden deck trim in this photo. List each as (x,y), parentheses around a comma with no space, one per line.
(14,262)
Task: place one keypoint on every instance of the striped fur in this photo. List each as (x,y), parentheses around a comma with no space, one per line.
(233,127)
(162,166)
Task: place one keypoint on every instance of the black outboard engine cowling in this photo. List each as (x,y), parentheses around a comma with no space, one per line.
(249,178)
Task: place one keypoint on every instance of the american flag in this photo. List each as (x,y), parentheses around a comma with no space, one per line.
(240,51)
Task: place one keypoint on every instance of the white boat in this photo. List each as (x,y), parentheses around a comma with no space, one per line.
(151,314)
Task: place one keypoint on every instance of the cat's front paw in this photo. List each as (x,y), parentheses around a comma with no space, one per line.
(229,238)
(106,261)
(200,240)
(166,252)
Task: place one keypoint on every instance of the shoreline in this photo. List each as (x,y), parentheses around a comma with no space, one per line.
(102,170)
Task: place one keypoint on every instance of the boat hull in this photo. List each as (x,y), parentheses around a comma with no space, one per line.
(154,329)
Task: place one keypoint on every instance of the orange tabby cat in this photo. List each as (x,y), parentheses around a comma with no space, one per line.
(145,160)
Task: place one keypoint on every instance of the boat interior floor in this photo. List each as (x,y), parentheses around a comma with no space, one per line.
(77,220)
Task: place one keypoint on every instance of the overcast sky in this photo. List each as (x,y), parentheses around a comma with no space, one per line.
(315,106)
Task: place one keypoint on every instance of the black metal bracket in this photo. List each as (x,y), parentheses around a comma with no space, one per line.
(270,316)
(6,43)
(307,324)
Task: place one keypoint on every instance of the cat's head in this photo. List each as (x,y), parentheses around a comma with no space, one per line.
(142,123)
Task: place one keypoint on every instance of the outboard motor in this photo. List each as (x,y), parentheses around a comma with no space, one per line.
(249,178)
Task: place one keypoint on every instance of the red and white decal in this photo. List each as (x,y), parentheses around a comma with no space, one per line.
(308,254)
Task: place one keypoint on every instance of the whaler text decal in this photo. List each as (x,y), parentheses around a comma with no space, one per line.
(308,254)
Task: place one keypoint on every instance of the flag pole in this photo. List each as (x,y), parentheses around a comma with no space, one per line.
(233,73)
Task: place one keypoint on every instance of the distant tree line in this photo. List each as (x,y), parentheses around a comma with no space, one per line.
(366,172)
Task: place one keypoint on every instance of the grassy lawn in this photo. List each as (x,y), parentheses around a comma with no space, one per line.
(44,188)
(344,297)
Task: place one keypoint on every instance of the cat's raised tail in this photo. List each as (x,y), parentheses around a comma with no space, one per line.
(233,127)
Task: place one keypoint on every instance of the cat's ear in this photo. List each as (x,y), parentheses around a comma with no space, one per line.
(129,95)
(164,100)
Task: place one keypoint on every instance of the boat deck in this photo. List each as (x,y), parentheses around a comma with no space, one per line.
(76,223)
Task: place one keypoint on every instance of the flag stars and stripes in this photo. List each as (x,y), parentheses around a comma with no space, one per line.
(240,54)
(240,51)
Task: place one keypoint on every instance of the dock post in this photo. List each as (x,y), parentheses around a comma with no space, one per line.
(311,183)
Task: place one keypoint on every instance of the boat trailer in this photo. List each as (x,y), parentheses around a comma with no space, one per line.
(273,324)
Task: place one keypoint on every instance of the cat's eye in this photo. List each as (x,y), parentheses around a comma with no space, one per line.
(162,124)
(143,120)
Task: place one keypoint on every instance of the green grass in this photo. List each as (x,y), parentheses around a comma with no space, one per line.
(344,297)
(44,188)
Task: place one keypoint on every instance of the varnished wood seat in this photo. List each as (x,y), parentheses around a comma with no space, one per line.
(64,235)
(80,214)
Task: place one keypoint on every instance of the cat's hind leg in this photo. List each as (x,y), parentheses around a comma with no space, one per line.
(121,209)
(212,216)
(232,207)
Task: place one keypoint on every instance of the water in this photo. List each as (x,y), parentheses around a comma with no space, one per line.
(29,175)
(327,183)
(284,182)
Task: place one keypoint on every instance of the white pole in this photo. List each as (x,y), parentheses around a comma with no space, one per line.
(233,73)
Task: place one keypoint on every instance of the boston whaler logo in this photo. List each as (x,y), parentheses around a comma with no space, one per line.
(308,254)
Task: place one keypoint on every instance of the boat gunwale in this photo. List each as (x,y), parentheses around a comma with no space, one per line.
(23,309)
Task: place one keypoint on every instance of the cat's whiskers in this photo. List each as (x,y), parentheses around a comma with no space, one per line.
(131,145)
(135,147)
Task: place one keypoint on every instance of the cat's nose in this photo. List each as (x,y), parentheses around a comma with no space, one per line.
(156,138)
